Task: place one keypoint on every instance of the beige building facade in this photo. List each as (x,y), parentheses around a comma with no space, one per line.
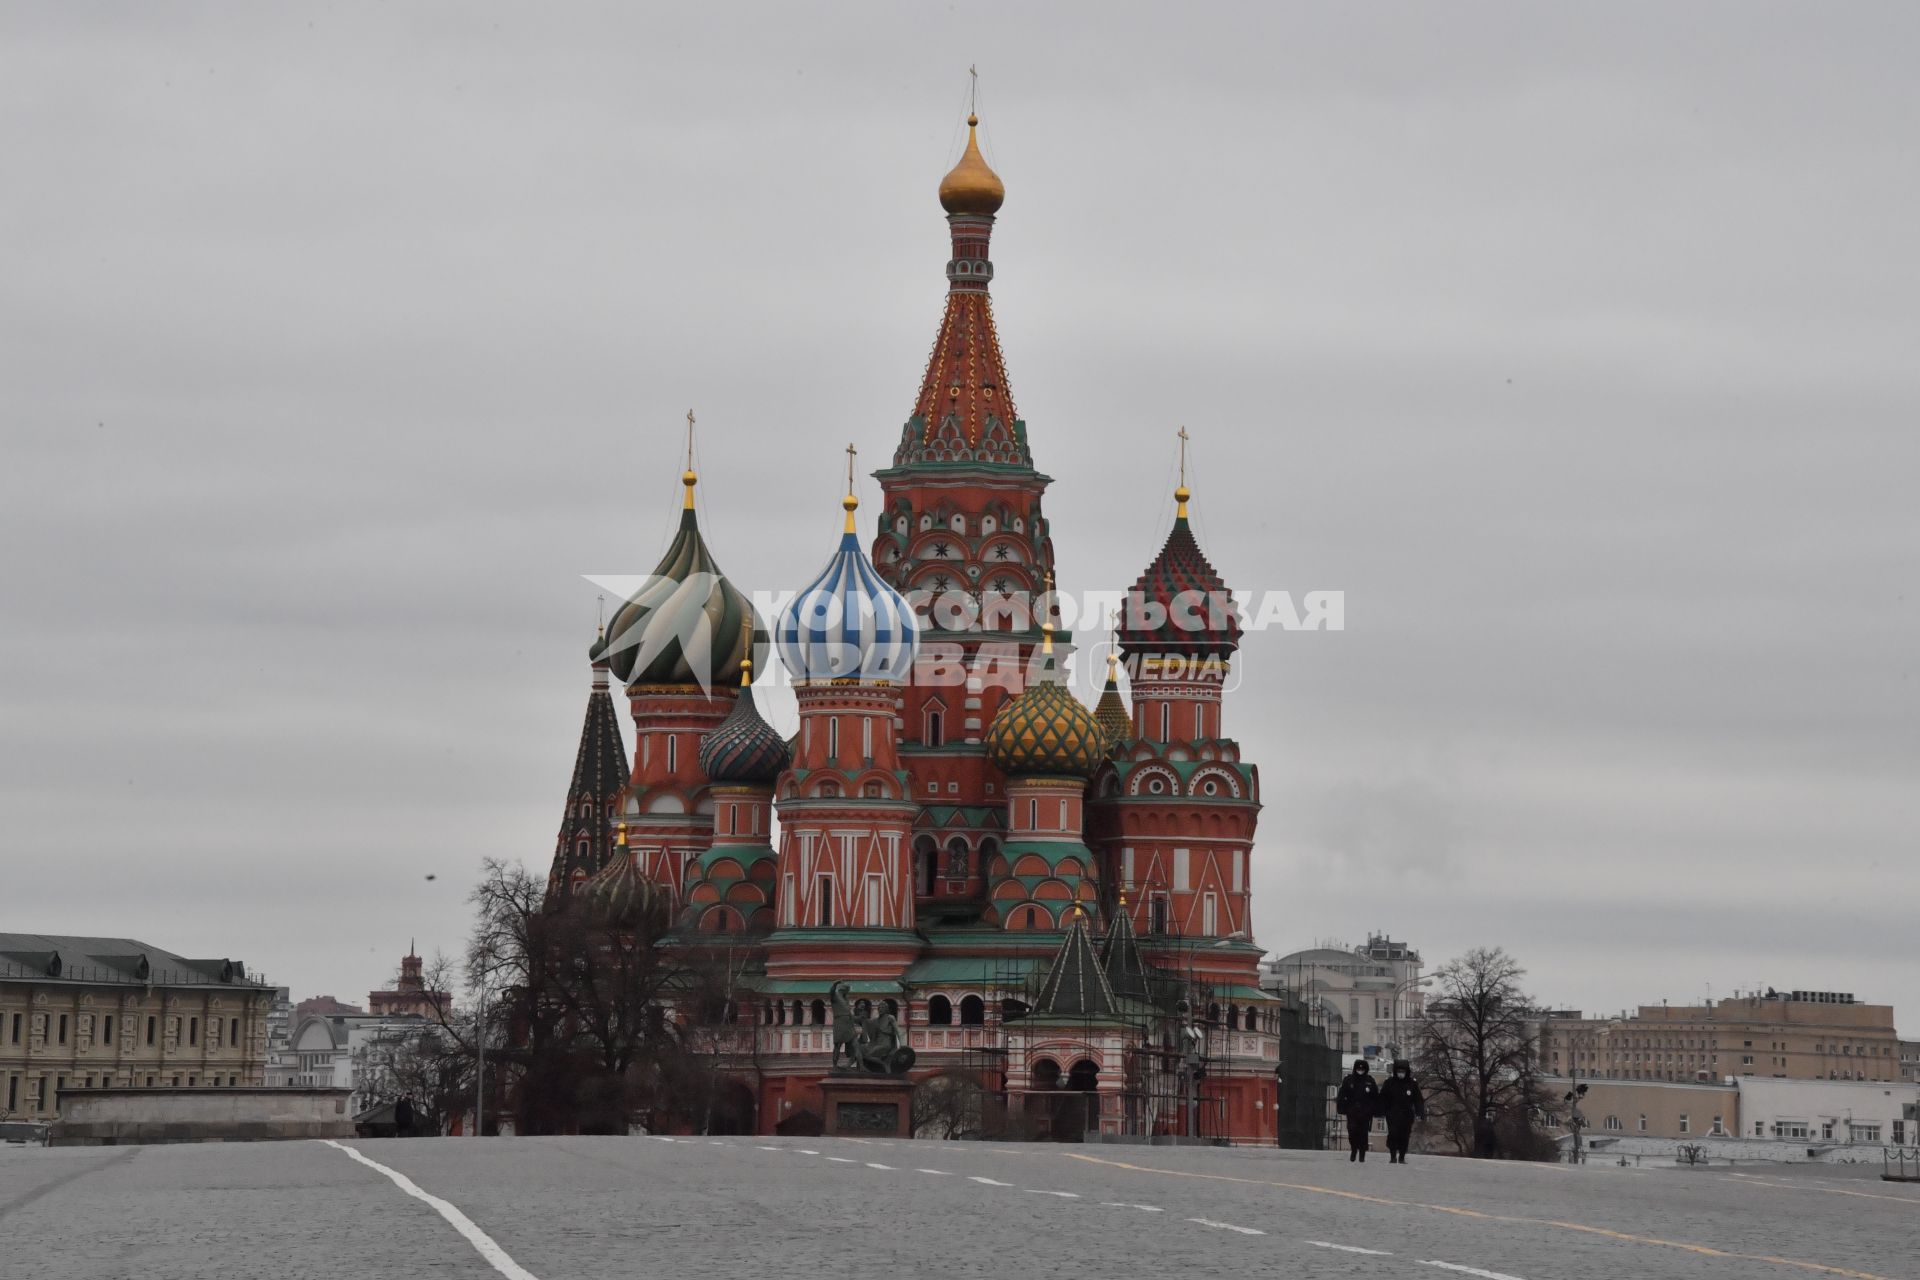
(87,1013)
(1654,1108)
(1798,1035)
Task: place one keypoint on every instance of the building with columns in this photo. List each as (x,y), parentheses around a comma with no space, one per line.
(1053,899)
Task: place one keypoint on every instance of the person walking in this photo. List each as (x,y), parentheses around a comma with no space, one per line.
(403,1116)
(1401,1104)
(1358,1100)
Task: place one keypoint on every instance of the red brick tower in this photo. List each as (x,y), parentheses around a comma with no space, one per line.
(961,531)
(1175,811)
(845,886)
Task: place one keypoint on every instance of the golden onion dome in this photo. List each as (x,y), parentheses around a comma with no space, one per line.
(972,187)
(1046,731)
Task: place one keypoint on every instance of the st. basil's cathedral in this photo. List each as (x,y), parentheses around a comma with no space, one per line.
(1052,899)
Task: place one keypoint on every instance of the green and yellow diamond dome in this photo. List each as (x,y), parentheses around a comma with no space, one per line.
(1046,730)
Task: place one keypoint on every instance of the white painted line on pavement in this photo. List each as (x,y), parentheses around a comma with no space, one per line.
(939,1172)
(661,1137)
(1064,1195)
(1122,1204)
(875,1165)
(715,1142)
(842,1160)
(1351,1248)
(806,1151)
(991,1182)
(1470,1271)
(1227,1226)
(482,1243)
(769,1148)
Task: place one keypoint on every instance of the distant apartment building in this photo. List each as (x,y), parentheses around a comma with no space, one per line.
(1795,1035)
(1367,1000)
(1910,1060)
(86,1013)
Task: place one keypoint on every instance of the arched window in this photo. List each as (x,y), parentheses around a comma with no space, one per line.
(925,854)
(799,1014)
(1046,1074)
(1213,1015)
(973,1011)
(1252,1020)
(1085,1076)
(1233,1017)
(939,1012)
(819,1013)
(870,790)
(934,733)
(957,858)
(989,848)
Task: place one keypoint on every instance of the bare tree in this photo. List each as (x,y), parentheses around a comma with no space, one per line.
(950,1104)
(1477,1058)
(587,1017)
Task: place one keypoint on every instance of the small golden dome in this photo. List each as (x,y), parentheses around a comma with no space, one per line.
(971,187)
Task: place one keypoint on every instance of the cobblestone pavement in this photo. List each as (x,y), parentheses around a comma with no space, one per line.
(558,1208)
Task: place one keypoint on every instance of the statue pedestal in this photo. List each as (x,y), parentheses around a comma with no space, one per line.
(867,1106)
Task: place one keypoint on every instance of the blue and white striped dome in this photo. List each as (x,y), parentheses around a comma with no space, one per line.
(849,624)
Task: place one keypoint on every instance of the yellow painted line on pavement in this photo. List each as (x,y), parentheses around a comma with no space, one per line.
(1754,1180)
(1628,1237)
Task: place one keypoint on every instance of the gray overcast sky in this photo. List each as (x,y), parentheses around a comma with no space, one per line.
(1576,347)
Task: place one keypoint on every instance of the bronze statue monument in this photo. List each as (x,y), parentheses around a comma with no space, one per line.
(871,1043)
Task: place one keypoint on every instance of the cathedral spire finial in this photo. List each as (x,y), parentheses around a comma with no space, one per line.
(688,477)
(1046,619)
(972,187)
(1181,494)
(746,659)
(850,502)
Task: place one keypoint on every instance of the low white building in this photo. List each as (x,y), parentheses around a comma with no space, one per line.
(1836,1112)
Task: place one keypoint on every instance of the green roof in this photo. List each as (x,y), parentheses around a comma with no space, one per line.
(820,987)
(971,970)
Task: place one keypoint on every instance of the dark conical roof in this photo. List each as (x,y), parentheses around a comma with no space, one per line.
(1120,957)
(1111,712)
(1075,986)
(599,772)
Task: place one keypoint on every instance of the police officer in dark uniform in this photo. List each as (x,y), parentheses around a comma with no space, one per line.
(1358,1100)
(1401,1104)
